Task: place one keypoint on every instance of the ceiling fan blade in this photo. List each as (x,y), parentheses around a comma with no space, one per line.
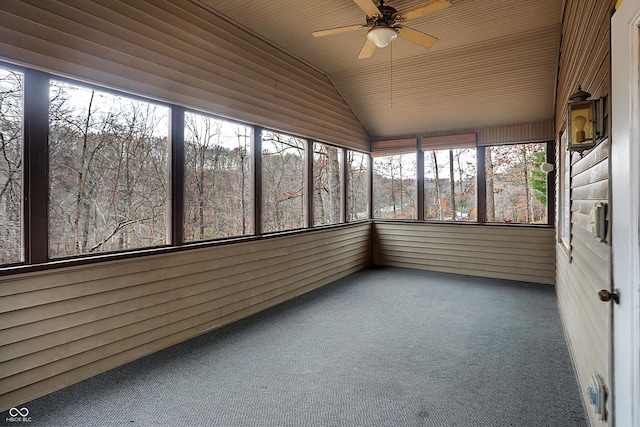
(422,9)
(416,37)
(338,30)
(367,49)
(368,7)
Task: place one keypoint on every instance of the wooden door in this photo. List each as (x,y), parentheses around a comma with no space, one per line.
(625,164)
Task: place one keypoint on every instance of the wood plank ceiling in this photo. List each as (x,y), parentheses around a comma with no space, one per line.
(494,64)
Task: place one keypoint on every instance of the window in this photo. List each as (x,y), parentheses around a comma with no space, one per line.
(108,163)
(11,113)
(357,185)
(327,187)
(450,185)
(516,187)
(218,178)
(109,160)
(394,186)
(283,182)
(564,199)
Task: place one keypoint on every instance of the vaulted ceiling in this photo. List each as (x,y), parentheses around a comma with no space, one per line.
(495,62)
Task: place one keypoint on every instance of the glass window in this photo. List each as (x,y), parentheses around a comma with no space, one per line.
(327,187)
(283,178)
(357,185)
(108,163)
(394,186)
(11,113)
(218,178)
(564,196)
(516,187)
(450,185)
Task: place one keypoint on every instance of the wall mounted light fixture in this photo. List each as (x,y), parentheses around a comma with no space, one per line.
(582,121)
(547,168)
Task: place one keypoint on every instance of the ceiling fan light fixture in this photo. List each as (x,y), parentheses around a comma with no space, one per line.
(381,36)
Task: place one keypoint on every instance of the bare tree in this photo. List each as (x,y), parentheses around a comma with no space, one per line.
(202,157)
(326,184)
(491,201)
(452,186)
(108,167)
(436,170)
(394,186)
(11,112)
(283,180)
(357,185)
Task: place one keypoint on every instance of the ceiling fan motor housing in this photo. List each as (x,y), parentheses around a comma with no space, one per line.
(387,13)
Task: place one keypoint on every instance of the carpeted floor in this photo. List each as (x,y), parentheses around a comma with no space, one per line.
(382,347)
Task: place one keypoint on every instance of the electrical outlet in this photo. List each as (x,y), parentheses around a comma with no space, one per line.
(598,396)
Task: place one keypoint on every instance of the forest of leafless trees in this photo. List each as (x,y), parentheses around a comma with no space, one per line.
(108,159)
(11,90)
(515,185)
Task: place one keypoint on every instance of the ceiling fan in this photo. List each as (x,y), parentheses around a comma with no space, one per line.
(385,24)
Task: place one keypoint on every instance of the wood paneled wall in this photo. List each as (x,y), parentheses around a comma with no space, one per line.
(585,267)
(60,326)
(178,52)
(502,252)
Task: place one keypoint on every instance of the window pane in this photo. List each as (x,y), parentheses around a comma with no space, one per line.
(283,171)
(357,186)
(11,112)
(447,198)
(327,190)
(107,171)
(516,187)
(218,178)
(394,186)
(564,205)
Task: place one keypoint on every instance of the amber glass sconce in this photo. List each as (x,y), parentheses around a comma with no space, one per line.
(582,121)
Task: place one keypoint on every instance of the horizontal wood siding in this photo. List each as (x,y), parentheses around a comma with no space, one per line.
(60,326)
(586,320)
(503,252)
(179,52)
(585,267)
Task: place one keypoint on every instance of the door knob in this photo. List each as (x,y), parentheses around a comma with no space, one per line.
(607,296)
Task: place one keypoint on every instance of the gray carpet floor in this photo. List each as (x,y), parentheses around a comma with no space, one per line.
(382,347)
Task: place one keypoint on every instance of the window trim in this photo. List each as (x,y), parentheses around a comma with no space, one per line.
(564,196)
(35,192)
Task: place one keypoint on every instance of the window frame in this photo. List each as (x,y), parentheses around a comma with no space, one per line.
(564,195)
(35,181)
(165,172)
(181,123)
(550,179)
(368,185)
(307,178)
(342,192)
(423,154)
(23,150)
(416,201)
